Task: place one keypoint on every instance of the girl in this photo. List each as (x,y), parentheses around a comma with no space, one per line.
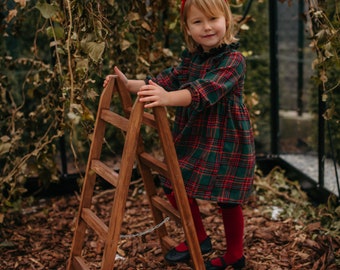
(212,130)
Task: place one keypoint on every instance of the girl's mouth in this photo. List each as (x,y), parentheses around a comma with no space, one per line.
(208,36)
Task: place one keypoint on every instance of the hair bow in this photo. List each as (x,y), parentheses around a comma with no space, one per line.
(182,5)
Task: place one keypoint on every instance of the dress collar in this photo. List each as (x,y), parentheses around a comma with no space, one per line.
(217,50)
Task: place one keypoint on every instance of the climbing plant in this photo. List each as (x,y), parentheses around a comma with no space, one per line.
(325,41)
(55,55)
(49,90)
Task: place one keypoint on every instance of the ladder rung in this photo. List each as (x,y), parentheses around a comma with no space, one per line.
(168,242)
(148,118)
(114,119)
(94,222)
(105,172)
(166,208)
(78,263)
(154,163)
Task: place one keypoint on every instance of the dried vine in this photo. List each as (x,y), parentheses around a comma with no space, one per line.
(60,99)
(325,34)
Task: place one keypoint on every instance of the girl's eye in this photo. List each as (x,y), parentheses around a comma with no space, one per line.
(195,22)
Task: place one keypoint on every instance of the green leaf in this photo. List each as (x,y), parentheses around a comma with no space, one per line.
(46,10)
(58,32)
(173,25)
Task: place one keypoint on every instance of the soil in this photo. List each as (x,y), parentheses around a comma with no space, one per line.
(40,236)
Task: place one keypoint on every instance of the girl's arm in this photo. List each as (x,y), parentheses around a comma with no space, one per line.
(132,85)
(154,95)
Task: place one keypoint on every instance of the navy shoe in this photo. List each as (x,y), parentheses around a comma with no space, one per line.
(174,256)
(237,265)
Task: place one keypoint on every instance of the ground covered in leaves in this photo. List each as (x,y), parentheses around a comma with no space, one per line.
(283,230)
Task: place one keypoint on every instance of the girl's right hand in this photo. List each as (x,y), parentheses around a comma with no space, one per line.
(132,86)
(106,81)
(121,76)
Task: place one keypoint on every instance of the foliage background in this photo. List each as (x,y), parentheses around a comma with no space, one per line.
(55,55)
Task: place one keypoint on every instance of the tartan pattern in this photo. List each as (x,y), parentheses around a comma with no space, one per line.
(213,135)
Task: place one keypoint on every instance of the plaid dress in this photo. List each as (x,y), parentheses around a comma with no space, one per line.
(213,135)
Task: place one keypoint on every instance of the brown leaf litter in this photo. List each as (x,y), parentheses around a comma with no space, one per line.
(299,236)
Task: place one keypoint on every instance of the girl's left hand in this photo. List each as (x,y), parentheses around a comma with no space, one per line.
(153,95)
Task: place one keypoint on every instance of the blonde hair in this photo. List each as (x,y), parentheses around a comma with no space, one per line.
(210,8)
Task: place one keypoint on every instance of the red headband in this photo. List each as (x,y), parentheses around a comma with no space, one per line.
(182,5)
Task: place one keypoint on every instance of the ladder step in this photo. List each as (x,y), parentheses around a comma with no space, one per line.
(114,119)
(105,172)
(148,118)
(166,208)
(122,122)
(168,242)
(154,163)
(78,263)
(94,222)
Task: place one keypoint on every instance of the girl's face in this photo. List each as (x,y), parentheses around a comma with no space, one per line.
(205,30)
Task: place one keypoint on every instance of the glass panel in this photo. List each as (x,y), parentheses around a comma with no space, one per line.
(298,97)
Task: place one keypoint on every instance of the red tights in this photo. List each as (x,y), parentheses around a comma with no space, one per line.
(233,226)
(233,222)
(196,215)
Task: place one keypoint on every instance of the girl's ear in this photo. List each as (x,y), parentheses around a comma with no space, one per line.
(187,30)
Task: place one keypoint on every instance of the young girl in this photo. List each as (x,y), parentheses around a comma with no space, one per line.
(212,130)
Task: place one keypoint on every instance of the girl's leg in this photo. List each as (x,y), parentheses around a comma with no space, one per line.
(196,215)
(233,222)
(234,229)
(181,252)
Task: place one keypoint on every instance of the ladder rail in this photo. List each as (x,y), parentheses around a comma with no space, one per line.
(121,194)
(144,169)
(181,197)
(89,181)
(161,124)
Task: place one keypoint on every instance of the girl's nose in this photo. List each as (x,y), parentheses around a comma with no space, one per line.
(207,26)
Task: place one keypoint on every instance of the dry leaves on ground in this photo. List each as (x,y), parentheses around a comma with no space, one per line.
(279,234)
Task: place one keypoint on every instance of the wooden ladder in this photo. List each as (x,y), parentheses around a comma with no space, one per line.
(133,150)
